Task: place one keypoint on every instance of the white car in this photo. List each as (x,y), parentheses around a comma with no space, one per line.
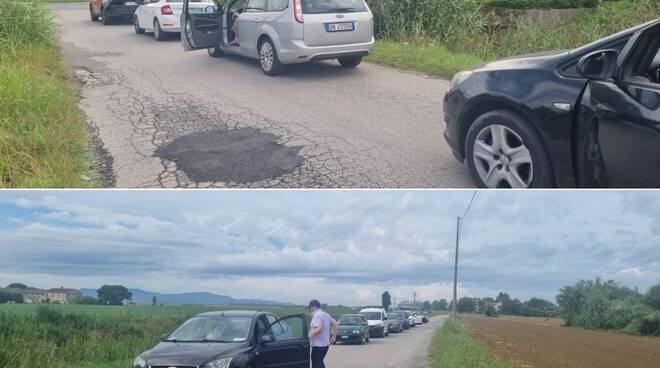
(377,320)
(418,318)
(164,16)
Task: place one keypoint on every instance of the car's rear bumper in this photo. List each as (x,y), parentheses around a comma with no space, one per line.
(295,51)
(170,23)
(122,11)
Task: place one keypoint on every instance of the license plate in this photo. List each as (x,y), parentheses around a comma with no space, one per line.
(340,27)
(130,3)
(344,337)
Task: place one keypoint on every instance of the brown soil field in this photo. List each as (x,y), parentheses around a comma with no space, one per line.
(541,343)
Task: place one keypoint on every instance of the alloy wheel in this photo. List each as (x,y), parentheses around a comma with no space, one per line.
(501,158)
(266,56)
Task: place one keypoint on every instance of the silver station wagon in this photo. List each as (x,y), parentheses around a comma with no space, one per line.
(280,32)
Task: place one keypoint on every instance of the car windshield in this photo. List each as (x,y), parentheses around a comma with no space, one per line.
(212,329)
(372,315)
(333,6)
(350,321)
(393,315)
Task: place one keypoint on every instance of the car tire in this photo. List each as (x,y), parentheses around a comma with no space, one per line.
(92,16)
(350,62)
(367,339)
(159,35)
(136,26)
(521,143)
(105,18)
(361,341)
(268,59)
(215,52)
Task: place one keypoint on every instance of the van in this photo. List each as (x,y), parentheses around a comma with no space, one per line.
(281,32)
(377,321)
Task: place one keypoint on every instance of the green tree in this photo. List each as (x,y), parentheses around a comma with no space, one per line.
(386,300)
(426,305)
(154,300)
(490,311)
(113,294)
(652,297)
(11,297)
(89,300)
(465,305)
(17,285)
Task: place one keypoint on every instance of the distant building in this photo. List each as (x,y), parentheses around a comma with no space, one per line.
(409,305)
(38,296)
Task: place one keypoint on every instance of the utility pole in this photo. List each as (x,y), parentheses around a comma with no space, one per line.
(458,240)
(414,298)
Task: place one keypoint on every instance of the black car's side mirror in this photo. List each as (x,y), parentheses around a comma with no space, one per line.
(265,339)
(599,65)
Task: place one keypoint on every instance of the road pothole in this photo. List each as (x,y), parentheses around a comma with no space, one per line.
(243,156)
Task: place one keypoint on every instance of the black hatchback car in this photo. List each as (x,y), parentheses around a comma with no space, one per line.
(232,339)
(588,117)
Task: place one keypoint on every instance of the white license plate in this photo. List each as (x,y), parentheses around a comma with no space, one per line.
(344,337)
(339,27)
(130,3)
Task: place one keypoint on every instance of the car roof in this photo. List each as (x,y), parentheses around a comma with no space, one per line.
(351,315)
(230,313)
(372,310)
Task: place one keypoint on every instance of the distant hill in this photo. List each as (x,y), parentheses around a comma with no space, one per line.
(199,298)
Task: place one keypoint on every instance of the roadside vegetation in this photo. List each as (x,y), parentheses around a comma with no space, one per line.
(94,336)
(42,136)
(458,33)
(452,347)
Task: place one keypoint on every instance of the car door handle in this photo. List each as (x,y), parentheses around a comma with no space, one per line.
(256,20)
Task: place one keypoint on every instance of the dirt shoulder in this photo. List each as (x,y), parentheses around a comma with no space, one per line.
(538,343)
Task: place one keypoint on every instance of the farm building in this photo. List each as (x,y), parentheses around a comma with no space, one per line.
(38,296)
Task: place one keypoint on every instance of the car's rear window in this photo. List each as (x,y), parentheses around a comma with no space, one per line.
(333,6)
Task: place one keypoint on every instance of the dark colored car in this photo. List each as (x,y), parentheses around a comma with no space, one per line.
(232,339)
(110,11)
(394,324)
(353,328)
(402,317)
(588,117)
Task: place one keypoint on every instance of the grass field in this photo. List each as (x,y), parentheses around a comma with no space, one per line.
(43,142)
(93,336)
(453,347)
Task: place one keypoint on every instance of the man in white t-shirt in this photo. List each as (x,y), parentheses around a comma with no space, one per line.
(322,333)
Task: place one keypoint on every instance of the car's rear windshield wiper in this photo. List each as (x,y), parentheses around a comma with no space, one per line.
(342,10)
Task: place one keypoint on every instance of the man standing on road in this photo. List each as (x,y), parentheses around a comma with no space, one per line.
(320,333)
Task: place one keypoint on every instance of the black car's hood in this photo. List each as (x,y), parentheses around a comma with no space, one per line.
(529,61)
(196,354)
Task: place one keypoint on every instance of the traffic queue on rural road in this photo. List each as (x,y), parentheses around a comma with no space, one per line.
(587,117)
(252,339)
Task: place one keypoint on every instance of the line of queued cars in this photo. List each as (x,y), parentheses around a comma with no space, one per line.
(277,33)
(252,339)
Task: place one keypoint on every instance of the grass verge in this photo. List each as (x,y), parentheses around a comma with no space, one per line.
(430,59)
(43,142)
(453,347)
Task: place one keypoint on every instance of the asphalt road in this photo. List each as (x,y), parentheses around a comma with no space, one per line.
(162,117)
(406,349)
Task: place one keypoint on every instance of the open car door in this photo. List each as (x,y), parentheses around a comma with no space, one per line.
(284,344)
(202,26)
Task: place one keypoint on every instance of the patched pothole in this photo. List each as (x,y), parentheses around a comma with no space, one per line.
(243,156)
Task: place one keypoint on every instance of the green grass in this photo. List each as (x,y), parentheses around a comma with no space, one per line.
(430,59)
(43,141)
(453,347)
(95,336)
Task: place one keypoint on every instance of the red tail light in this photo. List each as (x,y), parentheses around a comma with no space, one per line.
(166,10)
(297,11)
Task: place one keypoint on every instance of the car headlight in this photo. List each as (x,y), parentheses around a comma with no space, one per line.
(219,363)
(459,78)
(139,362)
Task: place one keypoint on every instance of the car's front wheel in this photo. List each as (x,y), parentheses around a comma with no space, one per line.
(270,62)
(350,62)
(136,26)
(215,52)
(503,151)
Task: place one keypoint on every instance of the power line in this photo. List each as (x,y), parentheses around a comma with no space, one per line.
(470,204)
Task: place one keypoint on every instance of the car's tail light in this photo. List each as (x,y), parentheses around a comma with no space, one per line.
(166,10)
(297,11)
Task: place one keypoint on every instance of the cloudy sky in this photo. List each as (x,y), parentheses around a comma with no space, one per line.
(342,247)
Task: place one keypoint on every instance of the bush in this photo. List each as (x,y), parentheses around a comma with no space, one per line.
(652,297)
(540,4)
(491,311)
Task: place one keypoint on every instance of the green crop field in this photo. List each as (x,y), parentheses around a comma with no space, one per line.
(94,336)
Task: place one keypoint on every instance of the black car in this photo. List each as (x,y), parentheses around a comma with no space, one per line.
(588,117)
(232,339)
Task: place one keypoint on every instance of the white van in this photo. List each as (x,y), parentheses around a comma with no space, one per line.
(377,320)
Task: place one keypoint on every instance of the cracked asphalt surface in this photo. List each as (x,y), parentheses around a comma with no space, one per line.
(371,127)
(406,349)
